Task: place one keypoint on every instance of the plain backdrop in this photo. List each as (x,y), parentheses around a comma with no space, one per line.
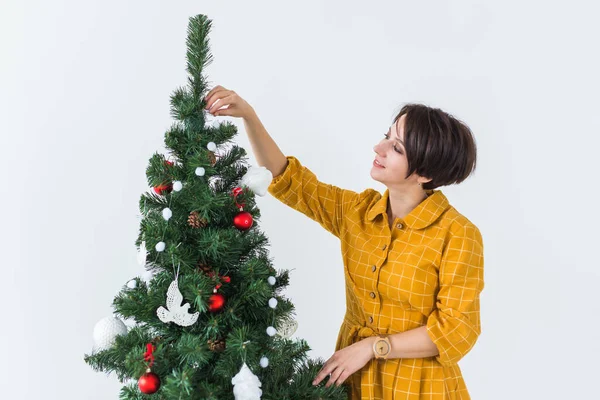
(84,103)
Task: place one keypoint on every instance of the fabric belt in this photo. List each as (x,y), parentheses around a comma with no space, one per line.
(359,331)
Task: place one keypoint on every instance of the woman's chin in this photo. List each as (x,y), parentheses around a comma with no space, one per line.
(374,174)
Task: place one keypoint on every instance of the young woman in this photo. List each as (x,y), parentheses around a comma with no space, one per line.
(413,264)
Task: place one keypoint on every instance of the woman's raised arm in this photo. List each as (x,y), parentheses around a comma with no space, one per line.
(265,149)
(293,184)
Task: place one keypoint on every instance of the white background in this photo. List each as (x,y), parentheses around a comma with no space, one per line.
(84,103)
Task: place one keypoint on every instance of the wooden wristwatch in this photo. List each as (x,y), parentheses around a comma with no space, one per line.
(382,347)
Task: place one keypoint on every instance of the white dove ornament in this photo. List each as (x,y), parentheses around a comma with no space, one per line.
(257,179)
(142,253)
(176,312)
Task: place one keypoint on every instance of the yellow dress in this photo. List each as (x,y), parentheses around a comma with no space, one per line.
(426,270)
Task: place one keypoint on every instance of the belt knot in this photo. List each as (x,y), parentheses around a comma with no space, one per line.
(359,331)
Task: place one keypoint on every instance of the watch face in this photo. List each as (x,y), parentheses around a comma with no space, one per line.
(382,347)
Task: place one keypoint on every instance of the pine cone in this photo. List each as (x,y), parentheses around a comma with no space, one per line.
(156,339)
(212,158)
(216,345)
(195,221)
(205,268)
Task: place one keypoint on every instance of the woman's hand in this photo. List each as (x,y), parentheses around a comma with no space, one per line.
(346,361)
(218,97)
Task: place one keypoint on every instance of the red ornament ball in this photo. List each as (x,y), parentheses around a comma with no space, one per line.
(163,188)
(243,220)
(149,383)
(216,302)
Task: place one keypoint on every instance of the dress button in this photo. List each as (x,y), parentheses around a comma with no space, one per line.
(384,246)
(372,295)
(399,226)
(371,319)
(374,268)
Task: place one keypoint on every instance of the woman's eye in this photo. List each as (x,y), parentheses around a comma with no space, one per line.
(387,137)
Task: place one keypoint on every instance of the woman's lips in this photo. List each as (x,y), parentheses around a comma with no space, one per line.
(377,165)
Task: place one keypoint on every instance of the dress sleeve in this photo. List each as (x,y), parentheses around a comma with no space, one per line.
(454,325)
(300,189)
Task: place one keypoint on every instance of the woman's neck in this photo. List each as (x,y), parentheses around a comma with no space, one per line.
(401,204)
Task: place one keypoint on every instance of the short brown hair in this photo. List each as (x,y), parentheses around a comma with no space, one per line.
(438,145)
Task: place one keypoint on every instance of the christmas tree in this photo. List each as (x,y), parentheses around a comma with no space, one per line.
(210,319)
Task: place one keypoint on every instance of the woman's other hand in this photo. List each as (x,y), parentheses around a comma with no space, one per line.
(345,362)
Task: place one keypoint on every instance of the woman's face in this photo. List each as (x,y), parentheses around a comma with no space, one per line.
(391,154)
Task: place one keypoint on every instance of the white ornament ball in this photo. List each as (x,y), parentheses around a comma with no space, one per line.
(167,213)
(271,331)
(272,302)
(132,284)
(212,146)
(200,171)
(106,330)
(147,276)
(177,186)
(257,179)
(287,328)
(264,362)
(160,246)
(271,280)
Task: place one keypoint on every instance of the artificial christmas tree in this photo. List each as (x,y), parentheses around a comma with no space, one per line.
(211,321)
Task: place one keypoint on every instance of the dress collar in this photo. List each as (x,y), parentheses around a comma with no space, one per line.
(422,215)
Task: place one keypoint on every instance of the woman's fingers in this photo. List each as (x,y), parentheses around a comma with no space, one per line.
(229,101)
(335,375)
(213,95)
(327,370)
(211,91)
(225,101)
(219,97)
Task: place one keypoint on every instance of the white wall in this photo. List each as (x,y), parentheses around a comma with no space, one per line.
(84,102)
